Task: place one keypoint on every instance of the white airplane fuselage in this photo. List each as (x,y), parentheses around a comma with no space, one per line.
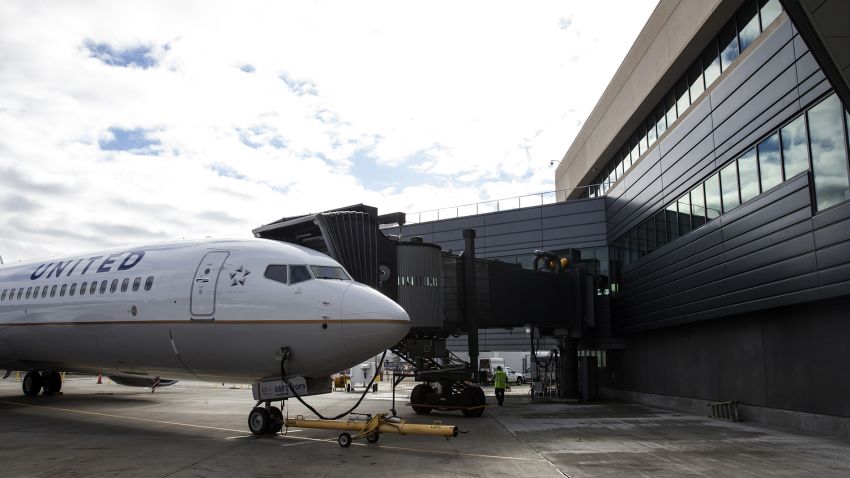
(199,310)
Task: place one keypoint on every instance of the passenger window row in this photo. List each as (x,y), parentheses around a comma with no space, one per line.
(739,33)
(85,288)
(817,140)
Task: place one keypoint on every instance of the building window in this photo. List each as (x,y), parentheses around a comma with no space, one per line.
(729,186)
(748,23)
(697,206)
(660,232)
(728,43)
(748,175)
(684,203)
(711,63)
(672,222)
(770,162)
(795,151)
(682,99)
(769,10)
(829,155)
(697,84)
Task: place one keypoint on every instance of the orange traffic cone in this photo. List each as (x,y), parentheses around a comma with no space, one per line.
(99,380)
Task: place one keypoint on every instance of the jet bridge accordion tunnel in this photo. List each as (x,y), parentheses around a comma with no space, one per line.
(448,294)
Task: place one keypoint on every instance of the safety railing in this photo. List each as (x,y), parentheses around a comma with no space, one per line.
(496,205)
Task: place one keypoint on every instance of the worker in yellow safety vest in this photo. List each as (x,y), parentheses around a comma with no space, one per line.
(500,381)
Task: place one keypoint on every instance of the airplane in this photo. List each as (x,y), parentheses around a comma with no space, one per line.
(212,310)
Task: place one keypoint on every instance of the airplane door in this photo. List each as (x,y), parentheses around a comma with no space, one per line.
(204,283)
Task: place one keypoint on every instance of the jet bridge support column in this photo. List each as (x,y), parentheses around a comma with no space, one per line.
(470,298)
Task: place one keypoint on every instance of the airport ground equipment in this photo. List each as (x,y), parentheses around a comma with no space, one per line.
(371,427)
(447,294)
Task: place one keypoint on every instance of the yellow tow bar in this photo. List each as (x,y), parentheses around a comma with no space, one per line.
(372,427)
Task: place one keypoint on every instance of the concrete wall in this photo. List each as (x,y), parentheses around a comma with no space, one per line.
(768,358)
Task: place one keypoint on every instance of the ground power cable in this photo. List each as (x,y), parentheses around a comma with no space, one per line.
(285,379)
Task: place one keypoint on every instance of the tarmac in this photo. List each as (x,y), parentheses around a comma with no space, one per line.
(199,429)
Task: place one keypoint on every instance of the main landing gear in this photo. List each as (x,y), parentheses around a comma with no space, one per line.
(50,381)
(265,420)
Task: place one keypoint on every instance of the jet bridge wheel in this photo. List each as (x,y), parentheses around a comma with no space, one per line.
(52,382)
(259,421)
(419,395)
(473,397)
(31,384)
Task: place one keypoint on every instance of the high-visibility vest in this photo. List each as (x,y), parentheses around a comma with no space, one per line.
(500,379)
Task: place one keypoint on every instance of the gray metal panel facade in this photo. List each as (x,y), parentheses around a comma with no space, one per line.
(771,251)
(577,224)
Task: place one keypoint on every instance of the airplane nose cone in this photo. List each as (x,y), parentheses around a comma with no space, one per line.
(371,317)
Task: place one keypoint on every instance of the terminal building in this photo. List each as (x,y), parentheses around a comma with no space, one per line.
(709,192)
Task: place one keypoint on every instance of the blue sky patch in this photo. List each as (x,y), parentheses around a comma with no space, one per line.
(377,176)
(135,57)
(248,68)
(226,171)
(133,140)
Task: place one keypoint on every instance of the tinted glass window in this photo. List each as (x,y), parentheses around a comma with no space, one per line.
(633,245)
(276,273)
(627,159)
(829,158)
(684,203)
(711,63)
(62,290)
(651,241)
(12,294)
(43,292)
(697,206)
(29,292)
(299,274)
(3,297)
(672,222)
(83,288)
(641,235)
(770,9)
(635,153)
(53,291)
(748,24)
(93,288)
(697,86)
(728,43)
(35,292)
(650,130)
(670,107)
(661,124)
(136,283)
(103,285)
(124,284)
(729,186)
(770,162)
(73,289)
(329,272)
(682,99)
(21,292)
(114,286)
(660,232)
(748,175)
(149,283)
(795,151)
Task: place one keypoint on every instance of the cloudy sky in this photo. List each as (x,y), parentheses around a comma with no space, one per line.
(128,122)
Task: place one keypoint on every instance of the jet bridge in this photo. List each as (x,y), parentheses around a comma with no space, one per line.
(450,294)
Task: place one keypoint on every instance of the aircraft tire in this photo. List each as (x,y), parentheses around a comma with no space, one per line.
(276,424)
(31,384)
(259,421)
(420,394)
(52,382)
(473,397)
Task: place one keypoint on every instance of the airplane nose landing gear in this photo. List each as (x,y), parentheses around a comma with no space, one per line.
(267,420)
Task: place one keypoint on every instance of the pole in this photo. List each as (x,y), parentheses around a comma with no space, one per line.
(470,297)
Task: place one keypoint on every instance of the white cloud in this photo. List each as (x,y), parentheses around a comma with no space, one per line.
(259,110)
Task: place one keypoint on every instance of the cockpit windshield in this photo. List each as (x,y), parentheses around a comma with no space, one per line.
(329,272)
